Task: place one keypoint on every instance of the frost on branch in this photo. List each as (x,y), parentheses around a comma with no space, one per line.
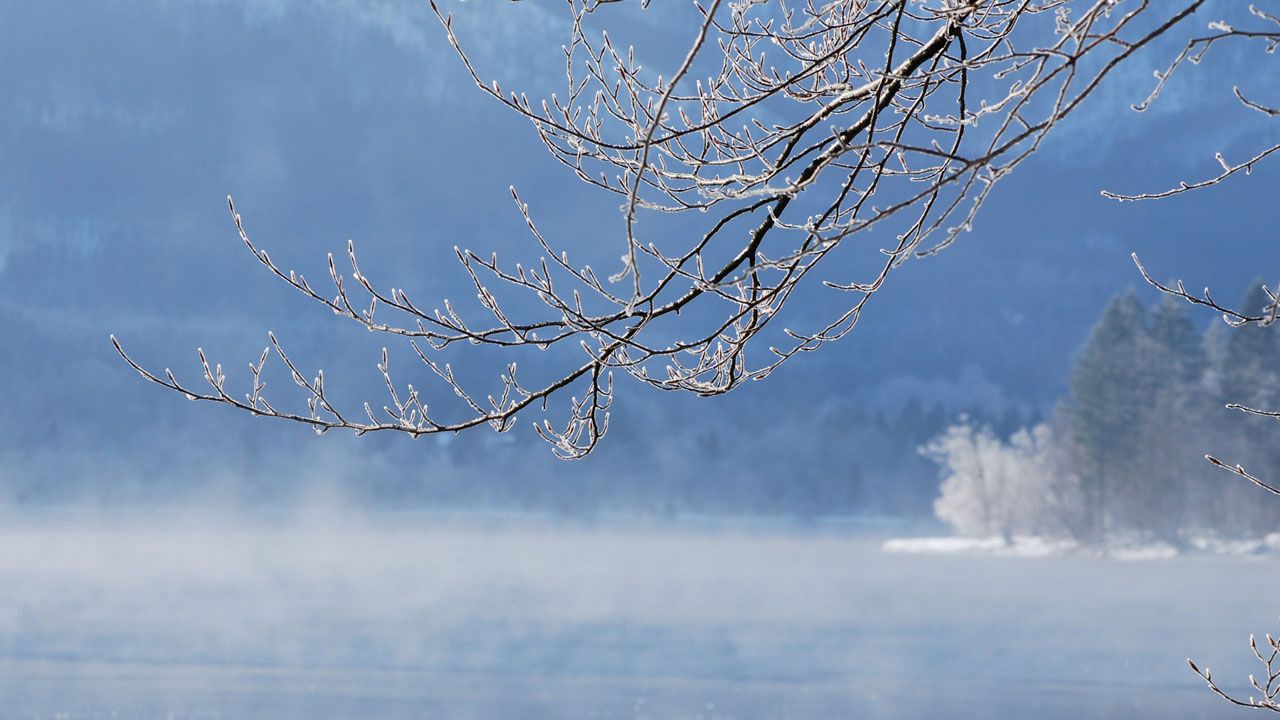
(793,132)
(1267,686)
(1264,32)
(1253,323)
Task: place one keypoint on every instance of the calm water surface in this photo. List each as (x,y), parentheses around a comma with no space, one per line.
(417,617)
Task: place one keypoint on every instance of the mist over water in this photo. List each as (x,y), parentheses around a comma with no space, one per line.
(127,124)
(327,615)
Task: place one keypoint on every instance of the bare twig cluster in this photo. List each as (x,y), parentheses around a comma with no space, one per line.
(791,129)
(1265,32)
(1269,689)
(1268,697)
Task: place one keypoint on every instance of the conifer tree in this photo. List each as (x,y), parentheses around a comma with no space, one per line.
(1176,335)
(1171,425)
(1110,388)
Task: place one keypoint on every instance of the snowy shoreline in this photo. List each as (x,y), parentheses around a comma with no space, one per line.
(1034,547)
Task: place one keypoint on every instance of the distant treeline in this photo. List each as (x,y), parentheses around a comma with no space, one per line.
(756,454)
(1122,456)
(837,461)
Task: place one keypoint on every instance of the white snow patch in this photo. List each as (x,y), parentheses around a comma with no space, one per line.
(1148,551)
(1268,545)
(1125,549)
(1020,546)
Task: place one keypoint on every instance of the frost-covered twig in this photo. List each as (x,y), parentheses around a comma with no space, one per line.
(1267,32)
(1231,316)
(793,131)
(1268,697)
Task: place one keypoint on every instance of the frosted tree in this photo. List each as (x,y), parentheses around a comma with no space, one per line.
(991,488)
(818,144)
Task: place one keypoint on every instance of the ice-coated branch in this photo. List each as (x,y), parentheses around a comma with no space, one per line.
(786,132)
(1266,32)
(1235,318)
(1268,687)
(1231,316)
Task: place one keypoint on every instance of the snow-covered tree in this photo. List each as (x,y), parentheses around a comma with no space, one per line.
(991,488)
(1119,459)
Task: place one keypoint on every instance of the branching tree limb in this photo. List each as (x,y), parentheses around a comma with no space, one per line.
(790,130)
(1266,32)
(1268,697)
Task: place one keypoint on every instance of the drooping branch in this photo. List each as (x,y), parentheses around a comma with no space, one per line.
(793,131)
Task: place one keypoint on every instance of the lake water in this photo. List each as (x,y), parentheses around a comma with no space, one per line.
(178,616)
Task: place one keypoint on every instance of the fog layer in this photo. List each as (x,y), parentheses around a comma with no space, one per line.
(390,616)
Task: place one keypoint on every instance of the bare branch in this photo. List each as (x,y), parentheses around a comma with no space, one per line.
(1268,689)
(871,129)
(1194,51)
